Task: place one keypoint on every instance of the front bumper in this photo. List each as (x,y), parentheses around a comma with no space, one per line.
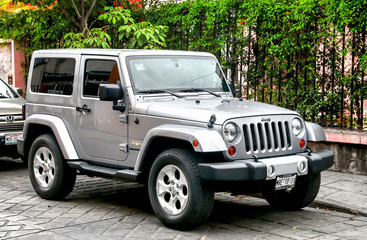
(248,170)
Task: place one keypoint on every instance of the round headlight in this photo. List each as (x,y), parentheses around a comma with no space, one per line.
(296,126)
(230,132)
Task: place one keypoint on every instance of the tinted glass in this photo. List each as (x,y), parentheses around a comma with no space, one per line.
(99,72)
(53,75)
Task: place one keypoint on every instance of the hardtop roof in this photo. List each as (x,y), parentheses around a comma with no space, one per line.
(117,52)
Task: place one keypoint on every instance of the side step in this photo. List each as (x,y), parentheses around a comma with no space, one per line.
(127,174)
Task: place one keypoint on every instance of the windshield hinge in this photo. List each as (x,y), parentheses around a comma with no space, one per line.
(124,147)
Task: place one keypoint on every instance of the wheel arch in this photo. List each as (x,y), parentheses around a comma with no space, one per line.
(156,146)
(315,133)
(39,124)
(177,136)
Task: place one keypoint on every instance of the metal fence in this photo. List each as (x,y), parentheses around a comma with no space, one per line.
(303,55)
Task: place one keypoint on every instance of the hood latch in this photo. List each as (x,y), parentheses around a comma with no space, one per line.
(212,121)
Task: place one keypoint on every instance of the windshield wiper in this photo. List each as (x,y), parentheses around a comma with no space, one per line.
(200,90)
(152,91)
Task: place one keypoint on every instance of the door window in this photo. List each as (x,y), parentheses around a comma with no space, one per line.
(99,72)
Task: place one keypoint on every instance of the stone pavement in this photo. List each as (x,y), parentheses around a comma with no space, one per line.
(105,209)
(343,191)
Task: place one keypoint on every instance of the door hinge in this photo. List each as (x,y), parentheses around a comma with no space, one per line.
(124,118)
(124,147)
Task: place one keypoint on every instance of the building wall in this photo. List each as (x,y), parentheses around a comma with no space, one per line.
(12,63)
(5,61)
(19,80)
(350,148)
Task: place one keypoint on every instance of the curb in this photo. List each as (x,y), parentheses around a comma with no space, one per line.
(336,206)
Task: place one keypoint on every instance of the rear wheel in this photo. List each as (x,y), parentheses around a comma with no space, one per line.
(298,197)
(50,176)
(178,196)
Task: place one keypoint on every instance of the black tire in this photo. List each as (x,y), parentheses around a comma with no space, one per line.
(50,176)
(192,201)
(299,197)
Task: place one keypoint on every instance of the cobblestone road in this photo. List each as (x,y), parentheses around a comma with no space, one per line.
(105,209)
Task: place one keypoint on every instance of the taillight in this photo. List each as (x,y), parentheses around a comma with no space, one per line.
(23,111)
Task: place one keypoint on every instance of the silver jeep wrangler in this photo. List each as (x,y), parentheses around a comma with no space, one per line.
(167,119)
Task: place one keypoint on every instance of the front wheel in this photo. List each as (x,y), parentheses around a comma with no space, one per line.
(50,176)
(177,194)
(299,197)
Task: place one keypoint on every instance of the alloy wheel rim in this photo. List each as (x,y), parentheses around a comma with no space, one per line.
(44,167)
(172,190)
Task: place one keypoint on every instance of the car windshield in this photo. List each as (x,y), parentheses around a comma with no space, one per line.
(6,91)
(176,74)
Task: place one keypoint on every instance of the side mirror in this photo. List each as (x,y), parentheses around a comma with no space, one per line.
(112,92)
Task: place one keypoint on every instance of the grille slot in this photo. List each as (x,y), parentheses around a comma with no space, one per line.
(267,137)
(11,128)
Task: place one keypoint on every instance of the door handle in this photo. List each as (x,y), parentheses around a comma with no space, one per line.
(83,109)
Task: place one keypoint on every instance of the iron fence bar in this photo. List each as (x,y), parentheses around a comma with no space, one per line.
(352,81)
(342,83)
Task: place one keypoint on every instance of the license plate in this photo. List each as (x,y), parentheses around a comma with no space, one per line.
(285,181)
(11,139)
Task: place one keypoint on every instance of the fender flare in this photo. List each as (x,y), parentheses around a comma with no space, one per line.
(209,140)
(58,128)
(315,133)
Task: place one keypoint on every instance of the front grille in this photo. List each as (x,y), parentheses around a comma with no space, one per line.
(267,136)
(11,128)
(15,118)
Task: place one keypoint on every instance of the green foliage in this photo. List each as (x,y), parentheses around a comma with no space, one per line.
(308,55)
(96,38)
(285,52)
(143,35)
(126,33)
(33,29)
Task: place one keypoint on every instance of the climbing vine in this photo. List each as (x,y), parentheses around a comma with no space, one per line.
(307,55)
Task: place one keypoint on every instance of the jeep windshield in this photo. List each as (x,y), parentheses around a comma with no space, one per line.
(176,74)
(6,91)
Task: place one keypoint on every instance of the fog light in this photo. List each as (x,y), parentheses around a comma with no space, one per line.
(302,167)
(302,143)
(271,171)
(232,151)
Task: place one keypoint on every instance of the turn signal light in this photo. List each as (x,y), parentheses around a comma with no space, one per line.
(232,151)
(195,143)
(302,143)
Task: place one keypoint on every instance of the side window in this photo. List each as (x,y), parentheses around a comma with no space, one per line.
(53,75)
(99,72)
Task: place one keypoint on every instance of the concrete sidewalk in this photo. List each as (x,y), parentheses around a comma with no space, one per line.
(343,191)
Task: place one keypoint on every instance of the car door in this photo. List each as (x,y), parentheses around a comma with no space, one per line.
(102,131)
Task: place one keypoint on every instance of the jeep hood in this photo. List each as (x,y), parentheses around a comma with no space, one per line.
(11,106)
(201,110)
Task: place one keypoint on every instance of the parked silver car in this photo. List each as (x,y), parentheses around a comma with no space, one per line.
(167,119)
(11,120)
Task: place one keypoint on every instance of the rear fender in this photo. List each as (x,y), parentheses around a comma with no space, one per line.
(58,128)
